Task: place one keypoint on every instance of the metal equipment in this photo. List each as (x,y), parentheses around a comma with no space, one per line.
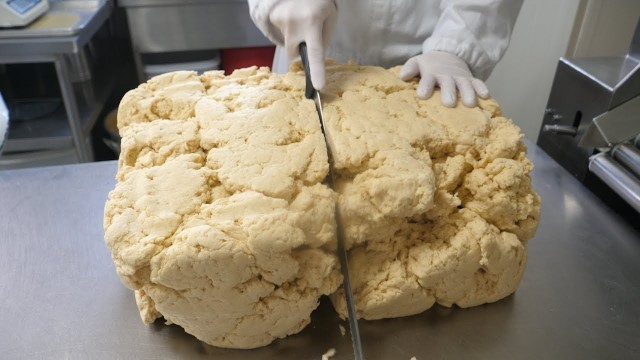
(56,76)
(21,12)
(180,27)
(591,120)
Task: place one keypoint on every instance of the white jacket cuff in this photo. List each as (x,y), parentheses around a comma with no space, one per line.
(477,31)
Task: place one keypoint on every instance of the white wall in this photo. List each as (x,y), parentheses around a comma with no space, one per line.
(607,28)
(521,82)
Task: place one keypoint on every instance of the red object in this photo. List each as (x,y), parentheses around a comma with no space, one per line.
(239,58)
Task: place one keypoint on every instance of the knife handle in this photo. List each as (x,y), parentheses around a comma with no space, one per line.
(309,91)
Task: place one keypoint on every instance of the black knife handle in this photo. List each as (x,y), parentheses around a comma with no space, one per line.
(309,90)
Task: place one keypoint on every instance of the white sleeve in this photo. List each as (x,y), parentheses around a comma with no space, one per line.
(259,11)
(478,31)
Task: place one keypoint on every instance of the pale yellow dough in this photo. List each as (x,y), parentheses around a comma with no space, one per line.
(438,201)
(220,222)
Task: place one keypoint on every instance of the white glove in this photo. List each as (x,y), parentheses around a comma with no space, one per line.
(308,21)
(449,72)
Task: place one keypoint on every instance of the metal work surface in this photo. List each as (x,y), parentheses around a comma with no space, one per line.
(578,298)
(61,297)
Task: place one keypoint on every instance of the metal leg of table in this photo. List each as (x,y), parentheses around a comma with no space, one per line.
(83,148)
(137,57)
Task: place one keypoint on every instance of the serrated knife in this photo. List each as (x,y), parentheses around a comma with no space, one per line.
(311,93)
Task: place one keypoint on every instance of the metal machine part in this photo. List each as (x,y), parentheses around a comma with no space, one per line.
(561,129)
(614,126)
(592,110)
(21,12)
(629,156)
(620,180)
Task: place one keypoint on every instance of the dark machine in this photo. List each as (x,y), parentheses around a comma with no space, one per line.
(591,126)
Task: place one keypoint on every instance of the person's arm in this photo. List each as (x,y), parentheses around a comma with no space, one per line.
(469,39)
(289,22)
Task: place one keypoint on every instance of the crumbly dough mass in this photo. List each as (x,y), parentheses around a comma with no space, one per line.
(220,221)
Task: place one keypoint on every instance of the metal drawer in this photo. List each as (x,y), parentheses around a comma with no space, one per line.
(163,26)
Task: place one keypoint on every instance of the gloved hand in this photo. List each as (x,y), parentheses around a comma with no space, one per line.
(449,72)
(308,21)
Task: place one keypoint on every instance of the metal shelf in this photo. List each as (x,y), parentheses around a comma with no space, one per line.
(53,131)
(38,158)
(64,46)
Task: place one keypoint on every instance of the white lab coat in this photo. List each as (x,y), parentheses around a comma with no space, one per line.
(389,32)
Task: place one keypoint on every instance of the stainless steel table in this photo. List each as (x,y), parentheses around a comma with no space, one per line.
(60,297)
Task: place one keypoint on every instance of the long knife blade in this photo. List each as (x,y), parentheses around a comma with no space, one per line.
(309,93)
